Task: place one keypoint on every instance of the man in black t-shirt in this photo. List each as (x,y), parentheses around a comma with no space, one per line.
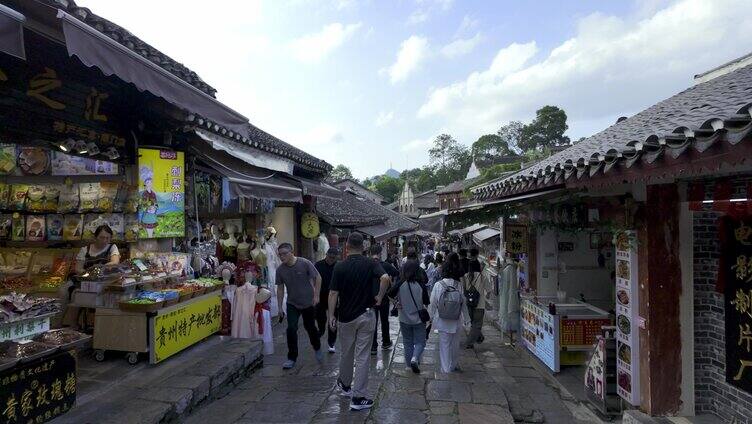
(382,312)
(352,286)
(325,267)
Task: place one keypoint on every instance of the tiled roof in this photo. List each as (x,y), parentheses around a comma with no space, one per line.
(457,186)
(125,38)
(343,183)
(426,200)
(353,211)
(696,118)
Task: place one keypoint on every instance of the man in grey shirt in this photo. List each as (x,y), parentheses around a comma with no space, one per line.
(303,284)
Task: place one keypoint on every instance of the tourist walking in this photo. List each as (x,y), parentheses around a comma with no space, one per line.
(325,267)
(475,286)
(352,286)
(449,312)
(434,274)
(303,283)
(382,311)
(412,298)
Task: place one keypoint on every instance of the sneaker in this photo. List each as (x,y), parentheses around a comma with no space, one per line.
(332,349)
(320,356)
(387,346)
(361,403)
(345,391)
(414,367)
(288,364)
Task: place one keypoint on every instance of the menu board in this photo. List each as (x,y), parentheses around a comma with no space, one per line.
(737,251)
(581,332)
(627,310)
(161,185)
(540,332)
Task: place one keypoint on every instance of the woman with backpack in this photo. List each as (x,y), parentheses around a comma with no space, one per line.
(475,287)
(447,307)
(412,296)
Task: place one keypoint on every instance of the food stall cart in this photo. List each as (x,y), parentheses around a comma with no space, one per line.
(560,333)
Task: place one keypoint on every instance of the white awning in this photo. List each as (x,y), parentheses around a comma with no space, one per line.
(248,155)
(486,234)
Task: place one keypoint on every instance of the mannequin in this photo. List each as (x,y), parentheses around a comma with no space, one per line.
(509,296)
(272,261)
(230,245)
(243,312)
(244,248)
(322,245)
(226,271)
(258,255)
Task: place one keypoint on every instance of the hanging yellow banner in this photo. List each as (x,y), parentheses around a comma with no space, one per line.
(185,326)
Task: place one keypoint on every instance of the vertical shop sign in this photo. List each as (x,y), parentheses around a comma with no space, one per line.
(161,183)
(738,295)
(627,310)
(38,391)
(515,237)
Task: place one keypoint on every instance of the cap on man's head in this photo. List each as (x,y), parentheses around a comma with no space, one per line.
(333,251)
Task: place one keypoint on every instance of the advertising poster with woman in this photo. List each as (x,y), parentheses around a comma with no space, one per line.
(161,176)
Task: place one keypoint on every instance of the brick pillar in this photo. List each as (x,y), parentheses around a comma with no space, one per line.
(660,288)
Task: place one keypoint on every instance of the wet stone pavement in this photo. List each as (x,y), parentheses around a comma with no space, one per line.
(497,385)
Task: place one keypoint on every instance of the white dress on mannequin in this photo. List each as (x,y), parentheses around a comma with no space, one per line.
(272,262)
(322,245)
(244,324)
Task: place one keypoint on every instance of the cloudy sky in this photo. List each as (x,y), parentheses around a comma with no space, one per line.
(370,83)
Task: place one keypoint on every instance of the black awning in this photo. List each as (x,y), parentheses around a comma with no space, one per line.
(11,32)
(95,49)
(247,180)
(317,188)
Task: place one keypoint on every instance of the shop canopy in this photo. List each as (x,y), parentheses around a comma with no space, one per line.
(95,49)
(485,234)
(11,32)
(468,230)
(249,155)
(247,180)
(316,188)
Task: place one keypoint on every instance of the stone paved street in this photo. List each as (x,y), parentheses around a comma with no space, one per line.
(497,385)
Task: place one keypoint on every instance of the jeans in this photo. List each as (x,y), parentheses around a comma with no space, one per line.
(382,313)
(321,320)
(476,319)
(354,339)
(309,323)
(414,339)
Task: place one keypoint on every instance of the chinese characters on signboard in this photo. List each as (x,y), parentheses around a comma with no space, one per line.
(627,333)
(515,237)
(161,181)
(581,332)
(738,291)
(23,328)
(38,391)
(540,331)
(185,326)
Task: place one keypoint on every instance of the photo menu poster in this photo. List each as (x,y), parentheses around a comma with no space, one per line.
(627,310)
(540,333)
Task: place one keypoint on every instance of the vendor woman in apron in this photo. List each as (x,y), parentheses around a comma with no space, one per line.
(101,252)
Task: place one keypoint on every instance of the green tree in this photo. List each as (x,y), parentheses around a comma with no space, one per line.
(340,172)
(421,179)
(388,188)
(450,159)
(511,135)
(489,146)
(546,130)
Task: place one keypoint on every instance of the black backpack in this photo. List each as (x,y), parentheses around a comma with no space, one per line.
(472,294)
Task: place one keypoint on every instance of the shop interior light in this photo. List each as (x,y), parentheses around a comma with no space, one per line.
(740,200)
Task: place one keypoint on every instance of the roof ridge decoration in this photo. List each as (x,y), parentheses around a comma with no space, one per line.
(693,119)
(130,41)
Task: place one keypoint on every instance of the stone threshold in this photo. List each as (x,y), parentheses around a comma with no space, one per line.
(165,392)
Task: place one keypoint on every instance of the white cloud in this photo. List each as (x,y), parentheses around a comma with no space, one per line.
(344,4)
(442,4)
(461,47)
(418,144)
(313,48)
(384,118)
(468,24)
(418,17)
(611,66)
(412,53)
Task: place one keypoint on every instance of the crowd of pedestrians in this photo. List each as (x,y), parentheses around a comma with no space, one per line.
(350,299)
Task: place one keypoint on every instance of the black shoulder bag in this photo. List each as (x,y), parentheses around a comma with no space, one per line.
(422,312)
